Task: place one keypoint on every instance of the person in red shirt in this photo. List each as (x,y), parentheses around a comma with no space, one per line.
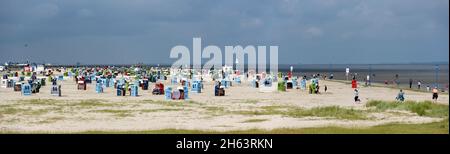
(354,84)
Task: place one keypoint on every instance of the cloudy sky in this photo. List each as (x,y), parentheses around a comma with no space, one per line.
(306,31)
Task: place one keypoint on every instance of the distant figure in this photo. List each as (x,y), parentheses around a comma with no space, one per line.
(400,96)
(435,94)
(428,88)
(331,76)
(354,84)
(418,84)
(325,88)
(357,100)
(368,79)
(396,80)
(410,83)
(385,82)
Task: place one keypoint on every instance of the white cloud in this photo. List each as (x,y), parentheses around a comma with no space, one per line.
(314,32)
(84,13)
(46,10)
(251,23)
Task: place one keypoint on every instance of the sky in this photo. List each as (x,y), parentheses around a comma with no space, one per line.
(306,31)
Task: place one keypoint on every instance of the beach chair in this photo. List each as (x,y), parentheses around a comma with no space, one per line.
(145,84)
(56,90)
(176,94)
(106,82)
(112,82)
(219,90)
(99,87)
(303,84)
(197,87)
(174,81)
(289,85)
(238,80)
(119,90)
(159,89)
(9,83)
(134,90)
(81,85)
(87,80)
(35,87)
(281,86)
(254,83)
(18,87)
(223,82)
(186,92)
(268,85)
(168,93)
(43,82)
(26,89)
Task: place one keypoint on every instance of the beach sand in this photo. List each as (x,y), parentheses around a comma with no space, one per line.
(75,112)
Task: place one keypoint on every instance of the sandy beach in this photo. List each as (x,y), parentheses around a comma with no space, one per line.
(81,111)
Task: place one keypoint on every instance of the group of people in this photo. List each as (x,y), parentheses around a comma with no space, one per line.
(400,96)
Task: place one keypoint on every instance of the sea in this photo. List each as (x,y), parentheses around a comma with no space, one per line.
(428,74)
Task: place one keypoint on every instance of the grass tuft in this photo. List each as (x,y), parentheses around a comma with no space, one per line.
(422,108)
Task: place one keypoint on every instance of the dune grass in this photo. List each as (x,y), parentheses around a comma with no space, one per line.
(422,108)
(179,103)
(297,112)
(254,120)
(440,127)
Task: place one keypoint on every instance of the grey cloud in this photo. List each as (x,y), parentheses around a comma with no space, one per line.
(134,31)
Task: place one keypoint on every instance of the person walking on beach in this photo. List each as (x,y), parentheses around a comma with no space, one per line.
(368,80)
(418,84)
(354,83)
(435,94)
(357,100)
(325,88)
(401,96)
(410,83)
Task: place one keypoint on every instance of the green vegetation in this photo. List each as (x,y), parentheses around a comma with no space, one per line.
(50,120)
(118,113)
(11,110)
(39,101)
(23,111)
(32,108)
(428,128)
(180,103)
(159,110)
(424,108)
(254,120)
(250,101)
(93,103)
(297,112)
